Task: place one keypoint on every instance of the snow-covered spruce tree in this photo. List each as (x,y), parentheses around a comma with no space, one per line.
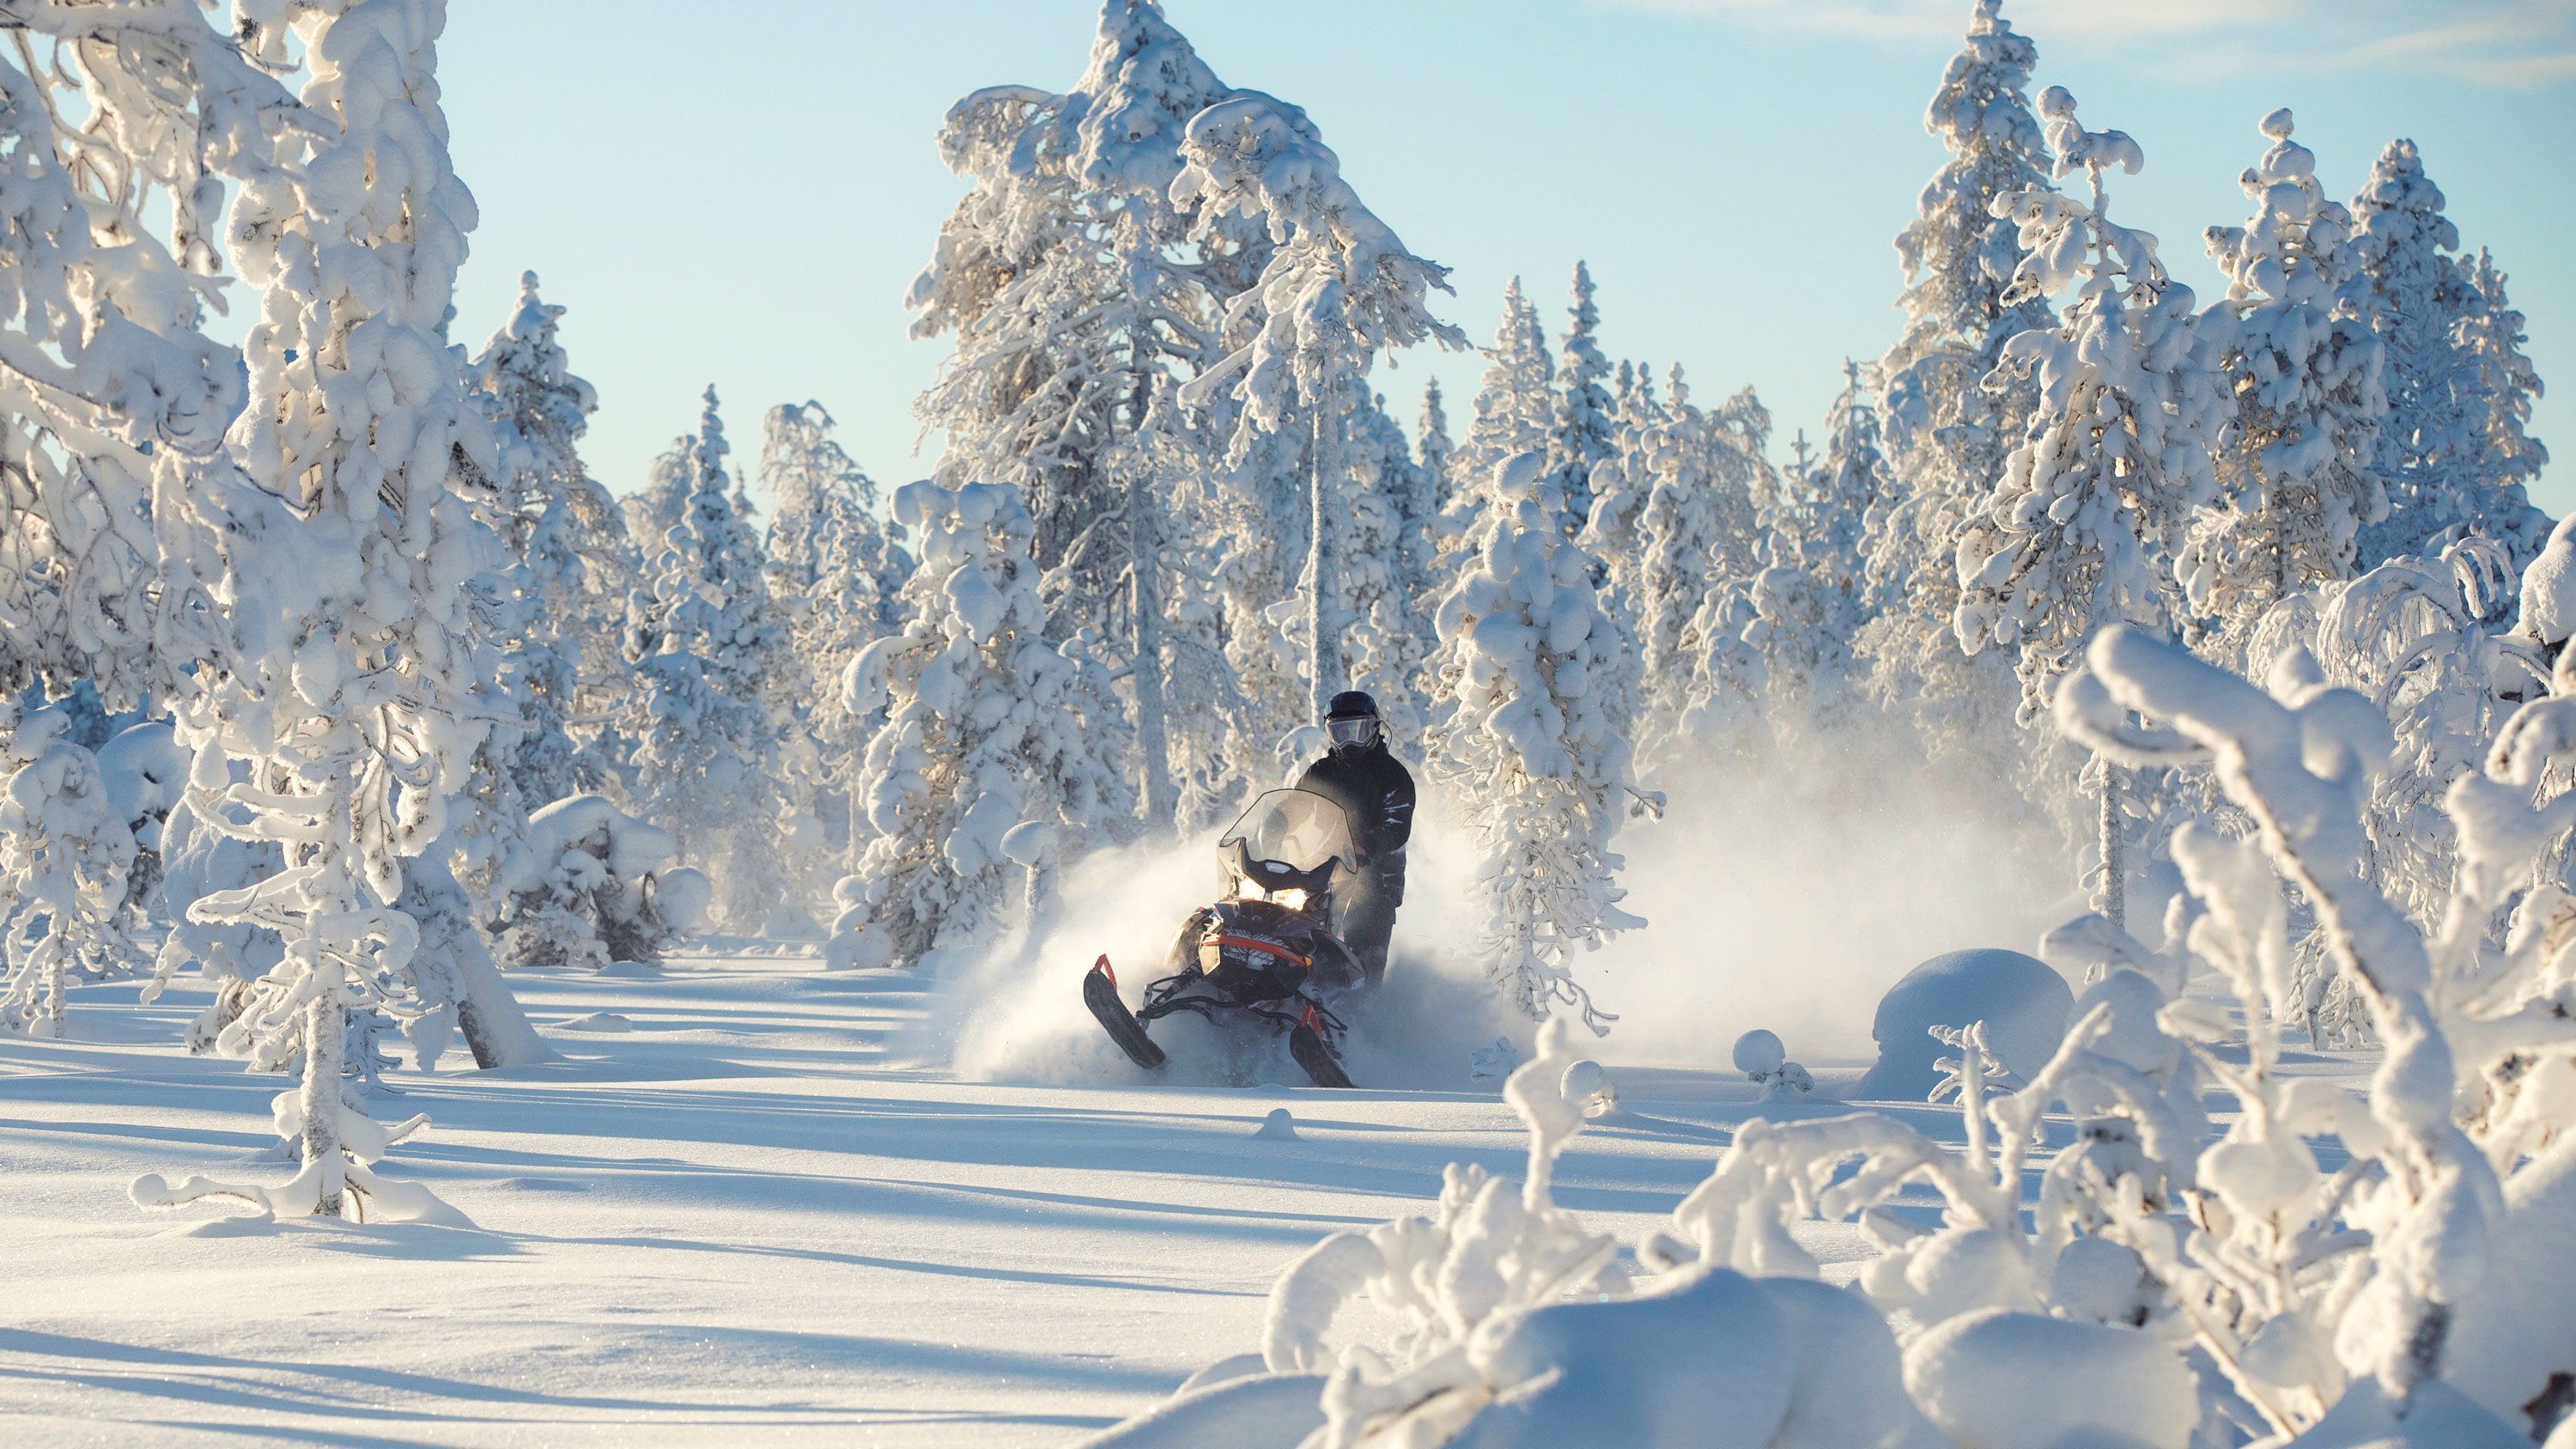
(2091,510)
(840,581)
(1583,431)
(2492,337)
(707,737)
(1535,749)
(2412,298)
(346,669)
(2092,504)
(554,519)
(2293,464)
(1432,449)
(1073,274)
(1338,288)
(988,727)
(1515,410)
(1947,433)
(1849,482)
(1808,602)
(663,503)
(1698,536)
(1387,593)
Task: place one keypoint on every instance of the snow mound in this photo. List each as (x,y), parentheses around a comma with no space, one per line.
(1974,1375)
(1721,1361)
(2437,1416)
(1758,1053)
(2021,999)
(144,769)
(683,896)
(1279,1126)
(2549,587)
(598,1021)
(1264,1411)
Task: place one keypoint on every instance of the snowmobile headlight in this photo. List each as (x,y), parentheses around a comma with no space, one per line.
(1292,898)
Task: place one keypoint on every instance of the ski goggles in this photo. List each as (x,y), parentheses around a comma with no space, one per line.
(1356,729)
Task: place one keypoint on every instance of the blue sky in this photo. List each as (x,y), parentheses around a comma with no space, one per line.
(745,204)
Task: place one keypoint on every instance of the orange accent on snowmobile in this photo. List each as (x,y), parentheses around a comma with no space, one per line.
(1267,948)
(1312,1024)
(1102,966)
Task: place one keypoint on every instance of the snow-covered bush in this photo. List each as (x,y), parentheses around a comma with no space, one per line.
(1534,746)
(583,893)
(2195,1291)
(65,854)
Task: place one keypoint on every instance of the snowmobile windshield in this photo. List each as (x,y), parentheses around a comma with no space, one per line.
(1297,828)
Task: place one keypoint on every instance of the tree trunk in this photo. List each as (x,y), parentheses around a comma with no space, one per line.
(1323,561)
(453,964)
(324,1037)
(1145,539)
(2115,863)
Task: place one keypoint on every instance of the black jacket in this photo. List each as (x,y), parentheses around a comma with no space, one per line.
(1376,792)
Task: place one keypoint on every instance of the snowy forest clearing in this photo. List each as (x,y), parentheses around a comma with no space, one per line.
(2218,655)
(741,1215)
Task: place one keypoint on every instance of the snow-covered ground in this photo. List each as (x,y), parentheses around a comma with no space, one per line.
(731,1212)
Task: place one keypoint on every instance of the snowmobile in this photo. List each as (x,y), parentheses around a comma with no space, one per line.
(1264,956)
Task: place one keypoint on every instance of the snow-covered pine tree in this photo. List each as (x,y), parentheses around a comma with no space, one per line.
(106,370)
(1947,434)
(1217,733)
(1337,288)
(554,519)
(664,500)
(1515,408)
(347,669)
(1535,752)
(2492,337)
(2412,298)
(1072,275)
(2293,464)
(839,580)
(706,735)
(1850,483)
(1387,579)
(1807,601)
(1697,536)
(2092,508)
(1584,429)
(988,727)
(2092,505)
(1432,449)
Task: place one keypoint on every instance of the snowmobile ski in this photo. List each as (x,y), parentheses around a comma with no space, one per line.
(1311,1053)
(1100,993)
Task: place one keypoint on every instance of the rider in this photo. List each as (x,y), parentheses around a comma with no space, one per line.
(1376,792)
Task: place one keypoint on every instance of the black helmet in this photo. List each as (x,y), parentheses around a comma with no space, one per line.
(1351,722)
